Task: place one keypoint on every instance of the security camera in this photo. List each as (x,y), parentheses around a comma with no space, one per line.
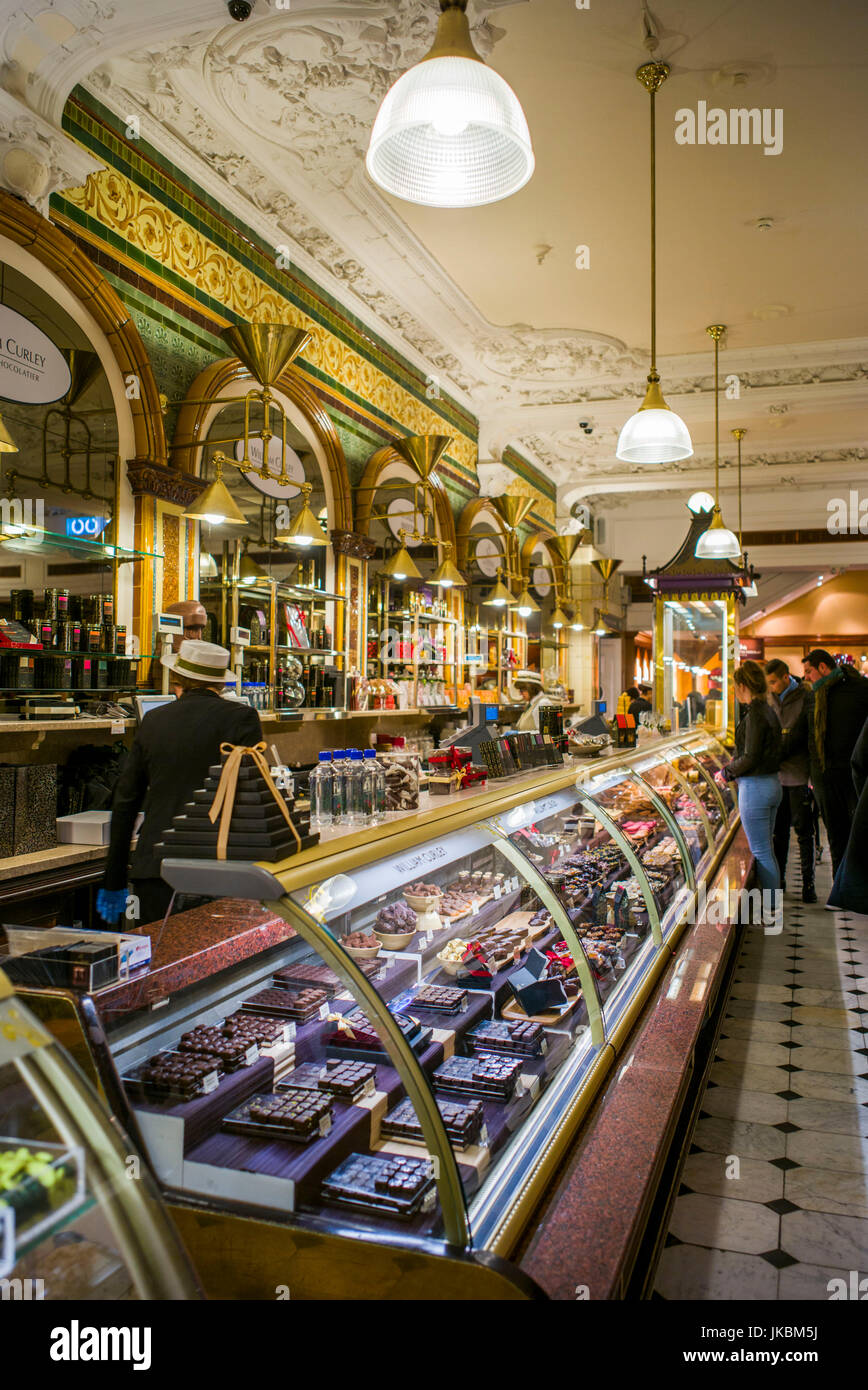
(241,9)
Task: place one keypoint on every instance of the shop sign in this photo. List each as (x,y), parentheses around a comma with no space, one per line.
(267,480)
(32,369)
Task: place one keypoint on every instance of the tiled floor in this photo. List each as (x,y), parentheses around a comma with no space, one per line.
(774,1196)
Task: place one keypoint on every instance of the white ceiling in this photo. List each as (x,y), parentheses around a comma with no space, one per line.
(273,116)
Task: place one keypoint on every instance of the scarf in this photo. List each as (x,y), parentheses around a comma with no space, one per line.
(821,695)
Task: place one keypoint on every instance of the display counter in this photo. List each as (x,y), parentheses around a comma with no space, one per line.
(356,1074)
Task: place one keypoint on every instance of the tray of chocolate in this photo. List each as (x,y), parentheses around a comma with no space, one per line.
(231,1051)
(464,1122)
(175,1076)
(455,904)
(297,1116)
(525,1039)
(382,1183)
(347,1080)
(441,999)
(309,975)
(354,1031)
(483,1075)
(257,1028)
(301,1005)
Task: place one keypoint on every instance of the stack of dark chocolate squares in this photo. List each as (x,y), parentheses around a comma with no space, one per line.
(257,830)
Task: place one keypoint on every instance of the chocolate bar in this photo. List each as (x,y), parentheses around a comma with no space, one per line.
(464,1122)
(300,1005)
(500,1035)
(482,1075)
(298,1115)
(347,1081)
(443,999)
(255,1028)
(390,1184)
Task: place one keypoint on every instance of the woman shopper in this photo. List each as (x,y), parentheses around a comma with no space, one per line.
(755,768)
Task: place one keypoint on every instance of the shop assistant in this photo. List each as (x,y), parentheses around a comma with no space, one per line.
(175,746)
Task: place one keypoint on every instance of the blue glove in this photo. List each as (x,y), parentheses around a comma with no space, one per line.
(111,904)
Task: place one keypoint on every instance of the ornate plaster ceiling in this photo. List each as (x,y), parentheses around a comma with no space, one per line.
(272,116)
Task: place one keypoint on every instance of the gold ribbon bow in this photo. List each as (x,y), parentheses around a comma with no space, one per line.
(224,797)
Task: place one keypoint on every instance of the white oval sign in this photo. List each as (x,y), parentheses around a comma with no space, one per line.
(489,556)
(293,468)
(541,580)
(32,369)
(402,517)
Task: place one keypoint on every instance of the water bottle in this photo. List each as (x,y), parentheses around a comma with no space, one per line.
(355,804)
(339,787)
(377,787)
(322,793)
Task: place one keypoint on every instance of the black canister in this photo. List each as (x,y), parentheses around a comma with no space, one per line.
(107,609)
(46,633)
(63,635)
(121,639)
(49,603)
(109,637)
(22,605)
(75,636)
(94,637)
(63,603)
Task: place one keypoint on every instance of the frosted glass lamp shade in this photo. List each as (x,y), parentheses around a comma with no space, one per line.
(654,436)
(717,543)
(450,133)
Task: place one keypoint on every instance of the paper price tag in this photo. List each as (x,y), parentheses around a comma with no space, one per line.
(429,1200)
(545,1047)
(251,1055)
(210,1083)
(117,727)
(369,1087)
(324,1011)
(483,1138)
(429,936)
(497,890)
(289,1033)
(325,1125)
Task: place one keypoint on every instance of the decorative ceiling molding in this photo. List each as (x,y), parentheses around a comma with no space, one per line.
(37,160)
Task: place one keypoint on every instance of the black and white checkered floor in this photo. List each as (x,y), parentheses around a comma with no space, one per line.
(774,1196)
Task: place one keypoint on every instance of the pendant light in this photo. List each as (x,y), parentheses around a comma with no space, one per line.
(577,625)
(304,529)
(216,504)
(750,590)
(525,604)
(249,572)
(559,619)
(401,565)
(717,543)
(7,443)
(700,502)
(447,576)
(450,133)
(500,597)
(655,434)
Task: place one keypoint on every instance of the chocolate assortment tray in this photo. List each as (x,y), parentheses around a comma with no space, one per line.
(300,1005)
(297,1116)
(174,1076)
(385,1184)
(522,1038)
(441,999)
(309,975)
(495,1077)
(464,1122)
(355,1035)
(231,1051)
(258,1028)
(344,1079)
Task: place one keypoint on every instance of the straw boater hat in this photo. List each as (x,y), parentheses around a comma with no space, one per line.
(200,661)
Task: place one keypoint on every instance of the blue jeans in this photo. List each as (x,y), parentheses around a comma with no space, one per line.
(758,802)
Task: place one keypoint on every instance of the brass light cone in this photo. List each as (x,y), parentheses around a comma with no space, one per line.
(304,529)
(500,596)
(606,568)
(526,603)
(512,510)
(7,443)
(447,576)
(559,618)
(249,571)
(84,368)
(564,547)
(216,503)
(265,349)
(401,565)
(423,452)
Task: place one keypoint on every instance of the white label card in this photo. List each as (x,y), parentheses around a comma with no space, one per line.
(210,1083)
(324,1011)
(251,1055)
(117,726)
(497,890)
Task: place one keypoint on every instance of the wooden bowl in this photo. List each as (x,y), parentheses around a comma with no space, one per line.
(395,941)
(363,952)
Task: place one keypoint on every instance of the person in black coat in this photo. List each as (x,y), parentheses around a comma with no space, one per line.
(850,889)
(840,711)
(173,749)
(755,767)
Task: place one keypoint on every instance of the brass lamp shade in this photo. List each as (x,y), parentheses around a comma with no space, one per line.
(423,452)
(447,576)
(512,510)
(401,565)
(500,596)
(564,547)
(304,529)
(559,618)
(84,368)
(249,571)
(265,349)
(606,568)
(216,503)
(526,604)
(7,443)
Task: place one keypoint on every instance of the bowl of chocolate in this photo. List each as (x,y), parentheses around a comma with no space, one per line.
(423,896)
(361,945)
(395,926)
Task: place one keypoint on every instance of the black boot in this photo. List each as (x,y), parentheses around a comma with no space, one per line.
(806,855)
(809,892)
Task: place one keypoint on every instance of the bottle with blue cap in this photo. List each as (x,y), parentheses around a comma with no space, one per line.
(321,783)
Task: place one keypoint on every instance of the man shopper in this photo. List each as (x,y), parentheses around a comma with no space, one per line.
(792,702)
(840,711)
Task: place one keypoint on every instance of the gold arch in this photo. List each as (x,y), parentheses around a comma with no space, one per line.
(465,527)
(24,225)
(530,545)
(374,468)
(209,386)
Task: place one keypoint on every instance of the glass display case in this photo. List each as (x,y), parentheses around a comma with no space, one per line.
(407,1060)
(80,1216)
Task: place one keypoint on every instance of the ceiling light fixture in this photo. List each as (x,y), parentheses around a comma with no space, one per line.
(655,434)
(559,619)
(717,543)
(450,133)
(249,572)
(447,576)
(401,565)
(500,596)
(525,604)
(304,529)
(700,502)
(216,504)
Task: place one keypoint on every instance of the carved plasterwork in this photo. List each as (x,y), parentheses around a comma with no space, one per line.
(35,159)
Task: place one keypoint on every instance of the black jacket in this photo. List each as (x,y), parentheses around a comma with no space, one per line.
(757,743)
(850,889)
(168,761)
(846,712)
(795,710)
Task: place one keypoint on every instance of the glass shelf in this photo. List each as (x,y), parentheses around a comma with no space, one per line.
(34,541)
